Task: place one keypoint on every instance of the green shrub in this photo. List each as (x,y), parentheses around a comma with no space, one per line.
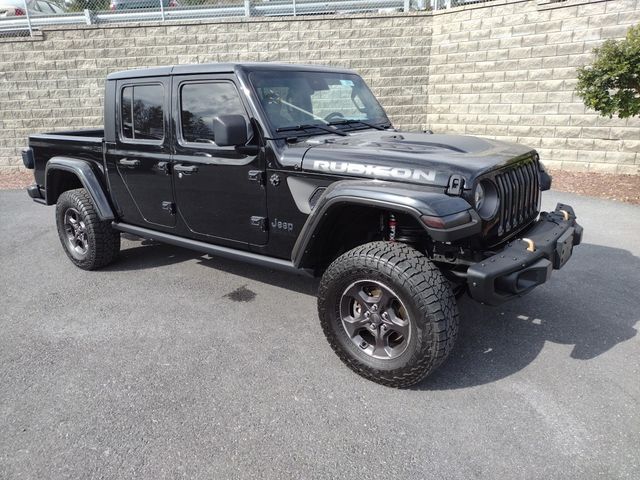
(611,85)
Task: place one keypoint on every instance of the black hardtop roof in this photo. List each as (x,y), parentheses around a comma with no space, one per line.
(220,68)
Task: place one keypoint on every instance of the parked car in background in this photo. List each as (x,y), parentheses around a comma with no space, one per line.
(136,4)
(15,8)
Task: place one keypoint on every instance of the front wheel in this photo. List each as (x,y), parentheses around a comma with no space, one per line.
(88,242)
(388,313)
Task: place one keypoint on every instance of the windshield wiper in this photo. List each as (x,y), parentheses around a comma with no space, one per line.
(306,126)
(348,121)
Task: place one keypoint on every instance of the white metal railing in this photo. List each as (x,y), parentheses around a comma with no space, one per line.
(235,8)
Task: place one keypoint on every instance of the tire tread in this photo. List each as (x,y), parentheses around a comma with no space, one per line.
(104,240)
(431,292)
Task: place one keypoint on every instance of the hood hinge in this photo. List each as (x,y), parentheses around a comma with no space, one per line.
(456,185)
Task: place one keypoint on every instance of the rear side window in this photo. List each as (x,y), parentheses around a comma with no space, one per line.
(200,103)
(141,115)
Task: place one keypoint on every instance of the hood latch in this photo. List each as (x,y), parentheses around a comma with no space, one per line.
(456,185)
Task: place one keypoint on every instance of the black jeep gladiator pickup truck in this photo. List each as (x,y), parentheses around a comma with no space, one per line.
(298,167)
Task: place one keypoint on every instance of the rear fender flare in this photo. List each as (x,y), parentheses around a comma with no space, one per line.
(89,179)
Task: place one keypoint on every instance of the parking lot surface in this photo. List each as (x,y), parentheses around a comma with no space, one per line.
(171,364)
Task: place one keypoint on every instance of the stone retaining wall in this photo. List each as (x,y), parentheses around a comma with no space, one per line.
(503,69)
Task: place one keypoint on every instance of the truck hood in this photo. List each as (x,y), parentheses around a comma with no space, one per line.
(409,157)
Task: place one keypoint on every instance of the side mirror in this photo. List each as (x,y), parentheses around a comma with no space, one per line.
(230,130)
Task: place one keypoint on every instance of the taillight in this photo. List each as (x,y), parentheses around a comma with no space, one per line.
(19,11)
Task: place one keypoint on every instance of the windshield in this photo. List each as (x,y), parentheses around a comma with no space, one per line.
(305,99)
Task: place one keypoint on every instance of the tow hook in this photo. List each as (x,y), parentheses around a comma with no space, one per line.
(531,245)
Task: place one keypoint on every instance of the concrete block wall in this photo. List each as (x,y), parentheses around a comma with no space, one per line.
(507,70)
(55,81)
(503,69)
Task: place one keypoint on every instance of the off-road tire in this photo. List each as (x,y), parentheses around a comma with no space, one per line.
(426,294)
(103,242)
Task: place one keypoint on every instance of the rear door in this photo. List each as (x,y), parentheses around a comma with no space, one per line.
(219,192)
(142,176)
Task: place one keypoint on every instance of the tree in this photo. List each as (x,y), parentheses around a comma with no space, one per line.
(611,85)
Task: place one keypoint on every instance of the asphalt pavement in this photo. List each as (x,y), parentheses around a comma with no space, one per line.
(171,364)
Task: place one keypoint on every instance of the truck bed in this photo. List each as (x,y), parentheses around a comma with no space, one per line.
(85,144)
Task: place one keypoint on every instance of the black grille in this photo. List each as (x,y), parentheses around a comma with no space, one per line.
(519,191)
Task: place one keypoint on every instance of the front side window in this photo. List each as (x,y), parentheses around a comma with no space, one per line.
(141,112)
(315,98)
(201,103)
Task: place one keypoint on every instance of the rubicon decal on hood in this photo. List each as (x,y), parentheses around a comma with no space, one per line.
(377,171)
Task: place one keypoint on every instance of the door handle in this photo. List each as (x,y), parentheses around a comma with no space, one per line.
(125,162)
(185,169)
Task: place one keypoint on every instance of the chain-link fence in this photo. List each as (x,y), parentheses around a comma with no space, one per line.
(22,17)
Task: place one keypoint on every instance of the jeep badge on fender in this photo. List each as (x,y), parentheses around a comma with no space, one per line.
(216,157)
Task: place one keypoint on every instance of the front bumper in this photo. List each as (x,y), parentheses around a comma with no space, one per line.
(526,263)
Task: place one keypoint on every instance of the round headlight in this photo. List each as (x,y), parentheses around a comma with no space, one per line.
(486,199)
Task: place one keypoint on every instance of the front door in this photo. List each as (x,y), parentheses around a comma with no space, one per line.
(219,191)
(139,162)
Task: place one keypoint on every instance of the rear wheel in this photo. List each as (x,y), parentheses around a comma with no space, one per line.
(88,242)
(388,313)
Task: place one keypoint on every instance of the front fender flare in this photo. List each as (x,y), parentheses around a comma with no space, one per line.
(89,179)
(414,200)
